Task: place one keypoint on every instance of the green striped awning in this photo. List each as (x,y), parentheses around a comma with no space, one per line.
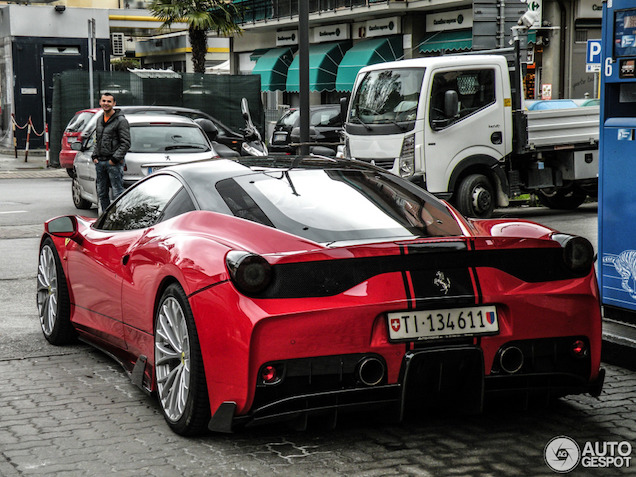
(364,53)
(324,59)
(454,40)
(256,54)
(273,67)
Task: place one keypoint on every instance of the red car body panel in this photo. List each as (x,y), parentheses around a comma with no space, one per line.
(116,279)
(70,135)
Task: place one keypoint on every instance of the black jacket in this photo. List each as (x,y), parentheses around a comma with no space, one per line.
(112,139)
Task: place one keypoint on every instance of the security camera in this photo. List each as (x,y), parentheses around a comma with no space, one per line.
(528,19)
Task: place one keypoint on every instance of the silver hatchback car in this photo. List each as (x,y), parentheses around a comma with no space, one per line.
(156,141)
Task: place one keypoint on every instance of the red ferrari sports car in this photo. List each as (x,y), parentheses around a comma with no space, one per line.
(264,289)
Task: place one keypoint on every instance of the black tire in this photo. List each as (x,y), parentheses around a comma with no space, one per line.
(563,199)
(179,366)
(54,306)
(78,200)
(70,172)
(476,197)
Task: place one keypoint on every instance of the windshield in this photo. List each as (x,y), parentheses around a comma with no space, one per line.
(360,205)
(166,137)
(387,96)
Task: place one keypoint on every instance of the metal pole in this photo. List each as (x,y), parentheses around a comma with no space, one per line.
(303,73)
(91,57)
(44,121)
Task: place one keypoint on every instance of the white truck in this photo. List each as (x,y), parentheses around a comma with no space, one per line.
(449,124)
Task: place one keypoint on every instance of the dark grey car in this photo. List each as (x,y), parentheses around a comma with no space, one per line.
(325,125)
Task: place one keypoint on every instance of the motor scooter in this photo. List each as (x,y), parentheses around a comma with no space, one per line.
(252,145)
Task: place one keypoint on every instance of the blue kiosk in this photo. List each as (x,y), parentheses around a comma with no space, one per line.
(617,164)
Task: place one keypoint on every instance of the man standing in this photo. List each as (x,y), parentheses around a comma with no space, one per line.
(112,141)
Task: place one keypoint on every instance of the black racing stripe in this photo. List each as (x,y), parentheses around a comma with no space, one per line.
(331,277)
(405,280)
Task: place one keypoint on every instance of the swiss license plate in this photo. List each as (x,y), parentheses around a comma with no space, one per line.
(426,324)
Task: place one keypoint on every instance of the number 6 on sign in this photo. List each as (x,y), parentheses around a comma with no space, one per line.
(608,66)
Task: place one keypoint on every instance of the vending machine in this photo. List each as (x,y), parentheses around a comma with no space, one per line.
(617,162)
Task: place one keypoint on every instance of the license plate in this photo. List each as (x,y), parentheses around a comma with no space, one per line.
(427,324)
(154,169)
(280,137)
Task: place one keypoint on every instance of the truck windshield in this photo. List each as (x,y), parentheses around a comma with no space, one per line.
(387,96)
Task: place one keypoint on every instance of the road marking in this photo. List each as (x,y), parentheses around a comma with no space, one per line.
(14,212)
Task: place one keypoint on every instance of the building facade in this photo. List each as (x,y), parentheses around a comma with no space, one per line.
(348,34)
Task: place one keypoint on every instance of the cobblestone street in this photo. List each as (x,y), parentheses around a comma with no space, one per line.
(77,414)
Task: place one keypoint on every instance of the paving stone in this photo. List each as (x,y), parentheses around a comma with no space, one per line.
(78,414)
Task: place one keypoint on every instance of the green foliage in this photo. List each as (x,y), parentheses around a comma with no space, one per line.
(123,64)
(201,16)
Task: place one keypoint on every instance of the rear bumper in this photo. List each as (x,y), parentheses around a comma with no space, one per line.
(441,377)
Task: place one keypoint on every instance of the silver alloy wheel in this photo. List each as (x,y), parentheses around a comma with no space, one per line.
(75,187)
(172,358)
(47,290)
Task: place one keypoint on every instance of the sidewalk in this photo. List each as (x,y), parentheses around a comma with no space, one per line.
(35,165)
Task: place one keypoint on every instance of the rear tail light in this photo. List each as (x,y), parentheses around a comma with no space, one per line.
(249,272)
(270,375)
(578,253)
(579,349)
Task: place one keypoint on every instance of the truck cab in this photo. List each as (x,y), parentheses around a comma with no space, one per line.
(446,123)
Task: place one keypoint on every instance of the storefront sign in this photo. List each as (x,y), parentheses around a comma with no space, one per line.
(455,20)
(331,33)
(287,37)
(383,26)
(589,9)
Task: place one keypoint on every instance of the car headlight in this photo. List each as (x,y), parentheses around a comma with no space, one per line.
(578,252)
(407,157)
(249,272)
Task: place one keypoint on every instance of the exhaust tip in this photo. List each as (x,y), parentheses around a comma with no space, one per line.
(371,371)
(511,359)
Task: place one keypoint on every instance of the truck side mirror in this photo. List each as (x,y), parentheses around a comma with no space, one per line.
(451,104)
(344,103)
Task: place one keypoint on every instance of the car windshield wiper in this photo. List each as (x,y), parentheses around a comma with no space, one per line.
(185,146)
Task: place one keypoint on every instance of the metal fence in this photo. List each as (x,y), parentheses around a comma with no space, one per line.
(217,95)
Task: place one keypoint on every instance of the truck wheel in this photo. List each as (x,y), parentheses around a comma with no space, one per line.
(475,197)
(566,199)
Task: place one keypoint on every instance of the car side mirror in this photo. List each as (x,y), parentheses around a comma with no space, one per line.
(64,227)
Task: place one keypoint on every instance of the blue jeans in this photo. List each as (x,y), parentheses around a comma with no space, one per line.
(108,176)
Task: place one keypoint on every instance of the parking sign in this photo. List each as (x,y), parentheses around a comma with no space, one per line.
(593,56)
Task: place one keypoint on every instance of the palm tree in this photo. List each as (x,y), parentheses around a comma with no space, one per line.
(201,16)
